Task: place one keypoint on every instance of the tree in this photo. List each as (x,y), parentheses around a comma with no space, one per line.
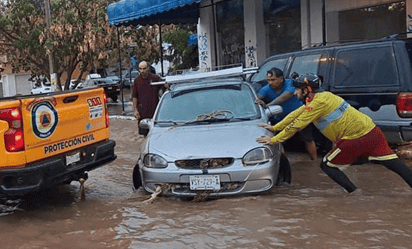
(79,35)
(180,53)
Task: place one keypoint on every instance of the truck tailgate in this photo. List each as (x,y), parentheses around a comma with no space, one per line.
(63,122)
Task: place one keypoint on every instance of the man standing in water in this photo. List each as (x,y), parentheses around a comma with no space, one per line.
(280,91)
(145,96)
(354,134)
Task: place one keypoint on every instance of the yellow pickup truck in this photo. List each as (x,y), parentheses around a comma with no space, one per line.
(53,138)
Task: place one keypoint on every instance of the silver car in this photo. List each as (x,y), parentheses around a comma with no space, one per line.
(202,139)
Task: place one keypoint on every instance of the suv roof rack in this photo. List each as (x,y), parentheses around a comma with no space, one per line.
(233,71)
(397,36)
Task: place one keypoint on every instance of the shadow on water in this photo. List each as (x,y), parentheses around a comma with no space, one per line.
(61,196)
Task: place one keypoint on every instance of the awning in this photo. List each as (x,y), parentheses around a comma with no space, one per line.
(143,12)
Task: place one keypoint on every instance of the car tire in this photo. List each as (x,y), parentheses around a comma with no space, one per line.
(137,178)
(285,173)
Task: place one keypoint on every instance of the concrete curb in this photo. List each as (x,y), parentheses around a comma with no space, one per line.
(123,117)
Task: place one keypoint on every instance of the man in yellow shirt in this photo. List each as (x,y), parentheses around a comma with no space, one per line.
(354,134)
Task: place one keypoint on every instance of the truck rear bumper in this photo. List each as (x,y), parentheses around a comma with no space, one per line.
(52,171)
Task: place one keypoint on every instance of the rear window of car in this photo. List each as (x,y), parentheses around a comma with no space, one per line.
(261,75)
(305,64)
(186,106)
(408,46)
(365,67)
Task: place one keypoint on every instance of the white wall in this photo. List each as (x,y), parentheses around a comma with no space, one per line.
(16,84)
(255,37)
(206,37)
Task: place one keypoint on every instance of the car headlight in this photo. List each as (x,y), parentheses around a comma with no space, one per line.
(154,161)
(257,156)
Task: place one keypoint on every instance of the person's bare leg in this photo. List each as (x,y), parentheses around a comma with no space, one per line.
(311,148)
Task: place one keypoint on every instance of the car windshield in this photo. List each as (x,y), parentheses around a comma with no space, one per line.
(223,103)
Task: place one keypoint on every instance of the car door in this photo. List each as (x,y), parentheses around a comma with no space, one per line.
(367,77)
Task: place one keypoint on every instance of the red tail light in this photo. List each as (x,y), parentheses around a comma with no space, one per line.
(404,105)
(13,137)
(106,111)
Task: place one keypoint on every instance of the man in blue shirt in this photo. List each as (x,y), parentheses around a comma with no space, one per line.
(280,91)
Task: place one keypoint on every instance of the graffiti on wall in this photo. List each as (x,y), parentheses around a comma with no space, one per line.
(409,27)
(232,53)
(203,50)
(250,56)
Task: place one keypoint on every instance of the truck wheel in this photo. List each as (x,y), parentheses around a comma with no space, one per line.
(114,98)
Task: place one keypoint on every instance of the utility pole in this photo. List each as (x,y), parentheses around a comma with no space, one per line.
(53,77)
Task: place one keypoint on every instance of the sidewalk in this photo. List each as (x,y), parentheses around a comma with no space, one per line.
(121,108)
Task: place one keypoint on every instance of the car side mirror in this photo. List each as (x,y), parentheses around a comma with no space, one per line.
(273,110)
(144,126)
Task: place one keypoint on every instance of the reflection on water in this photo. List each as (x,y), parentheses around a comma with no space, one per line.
(311,213)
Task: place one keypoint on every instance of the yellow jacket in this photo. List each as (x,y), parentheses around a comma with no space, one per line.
(333,116)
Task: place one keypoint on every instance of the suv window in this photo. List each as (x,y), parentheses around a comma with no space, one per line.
(305,64)
(368,67)
(261,75)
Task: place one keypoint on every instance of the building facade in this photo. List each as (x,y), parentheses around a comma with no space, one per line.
(249,31)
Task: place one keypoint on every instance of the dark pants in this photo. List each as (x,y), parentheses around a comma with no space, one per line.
(396,165)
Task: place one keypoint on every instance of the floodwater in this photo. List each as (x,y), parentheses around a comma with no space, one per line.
(312,212)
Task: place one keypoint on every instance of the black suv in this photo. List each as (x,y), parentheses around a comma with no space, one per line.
(375,77)
(111,88)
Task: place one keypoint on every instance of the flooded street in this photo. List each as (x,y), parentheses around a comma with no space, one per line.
(312,212)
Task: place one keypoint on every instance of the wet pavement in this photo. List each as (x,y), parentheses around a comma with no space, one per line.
(312,212)
(123,106)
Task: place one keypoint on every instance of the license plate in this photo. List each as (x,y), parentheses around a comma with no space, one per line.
(72,158)
(204,182)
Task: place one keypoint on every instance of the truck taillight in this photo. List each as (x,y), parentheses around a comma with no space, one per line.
(404,105)
(13,137)
(106,111)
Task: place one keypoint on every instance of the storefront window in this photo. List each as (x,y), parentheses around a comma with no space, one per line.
(282,21)
(231,33)
(372,22)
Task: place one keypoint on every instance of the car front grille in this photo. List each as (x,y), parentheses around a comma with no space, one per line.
(204,163)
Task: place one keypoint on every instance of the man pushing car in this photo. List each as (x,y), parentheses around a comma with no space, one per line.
(354,134)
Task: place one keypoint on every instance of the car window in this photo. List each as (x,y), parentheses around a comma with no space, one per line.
(261,75)
(305,64)
(182,107)
(362,67)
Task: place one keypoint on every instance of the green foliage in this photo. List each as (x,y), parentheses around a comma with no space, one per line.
(179,53)
(79,36)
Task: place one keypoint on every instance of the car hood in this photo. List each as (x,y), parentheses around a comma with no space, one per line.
(232,139)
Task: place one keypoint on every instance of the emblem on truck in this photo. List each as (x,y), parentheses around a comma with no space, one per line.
(44,119)
(95,108)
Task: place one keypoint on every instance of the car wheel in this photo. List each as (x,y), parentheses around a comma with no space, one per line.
(114,98)
(285,173)
(137,178)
